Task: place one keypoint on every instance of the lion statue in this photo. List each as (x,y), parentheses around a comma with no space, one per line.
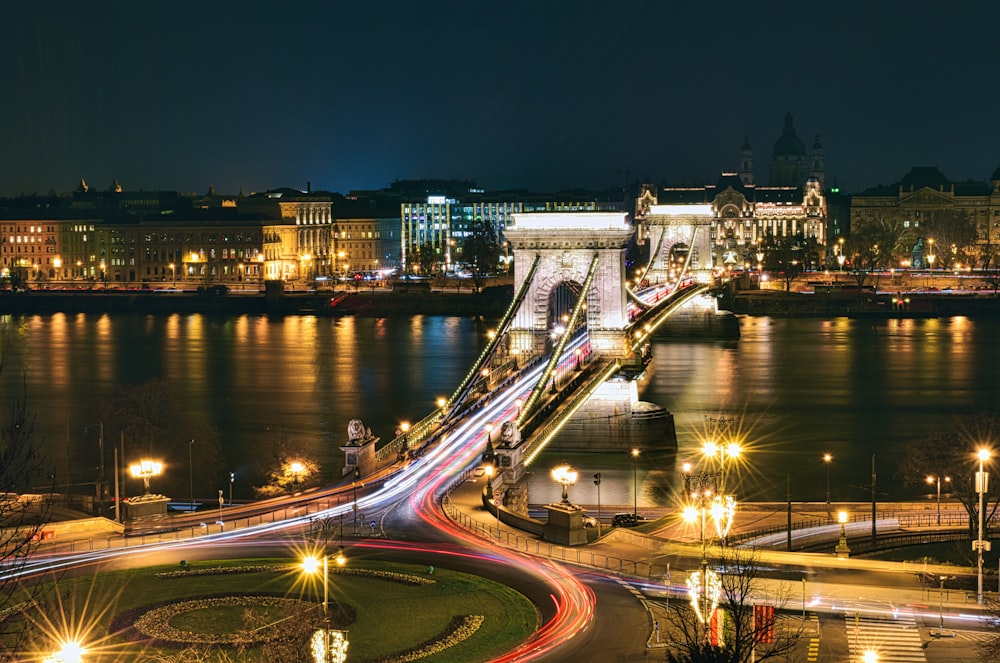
(356,431)
(510,436)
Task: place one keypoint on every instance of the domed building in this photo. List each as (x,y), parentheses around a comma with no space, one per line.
(793,204)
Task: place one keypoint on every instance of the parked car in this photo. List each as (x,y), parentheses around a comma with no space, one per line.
(625,520)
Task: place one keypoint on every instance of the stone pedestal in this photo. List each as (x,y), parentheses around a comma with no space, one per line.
(565,525)
(145,506)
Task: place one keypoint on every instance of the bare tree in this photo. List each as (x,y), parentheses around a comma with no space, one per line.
(749,634)
(952,452)
(23,514)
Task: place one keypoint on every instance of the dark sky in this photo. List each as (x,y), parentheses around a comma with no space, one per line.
(536,94)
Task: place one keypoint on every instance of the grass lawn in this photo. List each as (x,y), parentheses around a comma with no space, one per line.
(388,616)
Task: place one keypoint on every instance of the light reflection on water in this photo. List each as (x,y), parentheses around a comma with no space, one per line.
(795,388)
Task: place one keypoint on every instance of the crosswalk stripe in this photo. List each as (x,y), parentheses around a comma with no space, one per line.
(895,640)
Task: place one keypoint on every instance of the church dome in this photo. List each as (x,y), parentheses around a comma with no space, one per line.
(788,144)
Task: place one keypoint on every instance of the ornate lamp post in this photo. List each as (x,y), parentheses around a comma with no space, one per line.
(566,476)
(982,487)
(704,586)
(328,646)
(145,469)
(842,550)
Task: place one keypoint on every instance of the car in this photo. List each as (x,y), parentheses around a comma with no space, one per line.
(625,520)
(589,521)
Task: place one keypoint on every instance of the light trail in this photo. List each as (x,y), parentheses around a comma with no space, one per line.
(445,457)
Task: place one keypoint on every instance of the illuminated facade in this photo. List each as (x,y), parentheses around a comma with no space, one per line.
(792,204)
(744,215)
(442,223)
(925,204)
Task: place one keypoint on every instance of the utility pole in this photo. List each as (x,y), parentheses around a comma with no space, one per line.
(118,501)
(874,512)
(788,496)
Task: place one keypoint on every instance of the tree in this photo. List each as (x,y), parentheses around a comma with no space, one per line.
(152,423)
(784,255)
(952,452)
(287,471)
(23,514)
(874,247)
(747,638)
(954,235)
(427,258)
(481,251)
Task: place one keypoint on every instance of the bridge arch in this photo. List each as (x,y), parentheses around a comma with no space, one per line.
(567,245)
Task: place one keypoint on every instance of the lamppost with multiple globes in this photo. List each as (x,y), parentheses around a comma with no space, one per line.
(842,550)
(937,479)
(566,477)
(145,469)
(328,645)
(982,487)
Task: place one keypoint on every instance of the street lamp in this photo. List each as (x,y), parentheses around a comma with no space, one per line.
(842,549)
(982,486)
(490,471)
(704,586)
(297,469)
(332,645)
(173,273)
(937,479)
(827,459)
(566,476)
(597,482)
(635,483)
(191,475)
(145,469)
(69,652)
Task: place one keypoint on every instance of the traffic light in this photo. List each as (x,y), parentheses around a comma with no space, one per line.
(597,479)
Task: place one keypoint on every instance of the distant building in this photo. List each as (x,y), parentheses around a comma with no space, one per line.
(793,204)
(442,222)
(963,218)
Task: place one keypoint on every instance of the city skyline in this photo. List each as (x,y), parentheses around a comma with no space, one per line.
(588,95)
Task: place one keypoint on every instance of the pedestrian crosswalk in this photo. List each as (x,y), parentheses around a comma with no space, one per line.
(893,639)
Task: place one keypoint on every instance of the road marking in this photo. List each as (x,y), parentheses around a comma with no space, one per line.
(894,640)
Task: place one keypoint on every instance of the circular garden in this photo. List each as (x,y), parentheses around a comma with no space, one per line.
(268,610)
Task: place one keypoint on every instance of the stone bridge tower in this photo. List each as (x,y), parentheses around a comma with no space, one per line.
(566,244)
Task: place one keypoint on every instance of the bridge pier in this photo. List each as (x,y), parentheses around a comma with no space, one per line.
(701,317)
(614,420)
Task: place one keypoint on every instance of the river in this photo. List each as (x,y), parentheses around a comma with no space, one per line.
(792,389)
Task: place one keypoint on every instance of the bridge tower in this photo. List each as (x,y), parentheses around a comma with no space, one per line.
(679,234)
(567,244)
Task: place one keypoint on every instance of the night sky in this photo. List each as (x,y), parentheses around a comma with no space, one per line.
(542,95)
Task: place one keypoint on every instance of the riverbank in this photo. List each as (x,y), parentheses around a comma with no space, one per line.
(491,302)
(778,303)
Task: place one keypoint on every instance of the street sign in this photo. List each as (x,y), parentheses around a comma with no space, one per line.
(221,499)
(985,545)
(372,524)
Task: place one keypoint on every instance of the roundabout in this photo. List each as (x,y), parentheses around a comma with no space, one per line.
(264,610)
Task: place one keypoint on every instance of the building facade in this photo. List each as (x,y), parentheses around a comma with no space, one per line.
(957,222)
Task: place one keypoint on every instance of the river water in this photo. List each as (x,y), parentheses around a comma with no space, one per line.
(791,389)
